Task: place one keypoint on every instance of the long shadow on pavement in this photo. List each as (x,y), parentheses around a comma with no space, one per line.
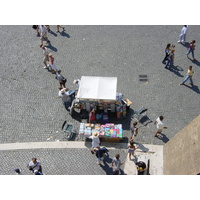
(176,70)
(196,62)
(52,47)
(64,34)
(194,88)
(186,44)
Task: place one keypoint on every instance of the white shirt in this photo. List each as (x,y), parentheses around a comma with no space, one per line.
(45,51)
(95,141)
(159,123)
(65,96)
(35,166)
(117,163)
(184,30)
(42,29)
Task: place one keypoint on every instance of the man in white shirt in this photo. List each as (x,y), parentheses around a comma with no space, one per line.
(159,124)
(66,96)
(183,34)
(35,165)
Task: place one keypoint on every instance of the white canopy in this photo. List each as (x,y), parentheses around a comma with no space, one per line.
(96,88)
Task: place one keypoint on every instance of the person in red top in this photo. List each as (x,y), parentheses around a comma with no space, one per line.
(191,49)
(92,116)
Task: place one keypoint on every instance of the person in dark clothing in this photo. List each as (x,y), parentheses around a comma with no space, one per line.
(167,52)
(141,167)
(100,154)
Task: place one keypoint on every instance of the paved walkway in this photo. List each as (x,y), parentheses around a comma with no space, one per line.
(143,153)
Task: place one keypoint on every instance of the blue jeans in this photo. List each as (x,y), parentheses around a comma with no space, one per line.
(186,78)
(169,63)
(190,50)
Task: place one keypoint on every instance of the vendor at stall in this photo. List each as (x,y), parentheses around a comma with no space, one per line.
(92,116)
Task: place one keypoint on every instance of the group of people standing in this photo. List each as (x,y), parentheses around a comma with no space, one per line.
(169,54)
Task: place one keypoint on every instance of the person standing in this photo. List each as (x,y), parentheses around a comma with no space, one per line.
(159,124)
(191,49)
(65,95)
(92,116)
(43,34)
(131,149)
(182,37)
(95,141)
(141,167)
(46,56)
(77,82)
(170,59)
(35,165)
(61,79)
(134,131)
(189,75)
(116,164)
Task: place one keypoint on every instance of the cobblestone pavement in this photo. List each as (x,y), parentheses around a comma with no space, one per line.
(30,109)
(71,161)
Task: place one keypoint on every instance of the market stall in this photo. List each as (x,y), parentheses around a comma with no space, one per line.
(100,94)
(107,132)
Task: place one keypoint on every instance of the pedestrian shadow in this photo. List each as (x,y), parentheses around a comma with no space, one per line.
(52,47)
(106,167)
(186,44)
(53,33)
(145,120)
(64,34)
(194,88)
(141,147)
(176,70)
(196,62)
(162,137)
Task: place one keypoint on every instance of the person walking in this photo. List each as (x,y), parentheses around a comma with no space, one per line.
(59,26)
(100,153)
(116,164)
(131,149)
(61,79)
(170,59)
(182,37)
(191,49)
(159,124)
(189,75)
(35,165)
(167,52)
(46,56)
(134,131)
(52,64)
(43,34)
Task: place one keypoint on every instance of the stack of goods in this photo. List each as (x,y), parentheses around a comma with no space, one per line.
(108,130)
(88,130)
(82,129)
(111,131)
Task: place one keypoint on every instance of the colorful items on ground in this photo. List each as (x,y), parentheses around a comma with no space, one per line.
(109,130)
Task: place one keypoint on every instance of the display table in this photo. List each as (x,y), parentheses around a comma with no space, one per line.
(107,132)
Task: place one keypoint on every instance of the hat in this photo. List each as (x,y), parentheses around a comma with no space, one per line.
(50,54)
(74,81)
(95,134)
